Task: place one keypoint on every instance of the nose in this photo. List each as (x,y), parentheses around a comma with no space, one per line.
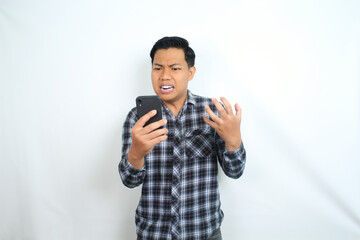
(165,75)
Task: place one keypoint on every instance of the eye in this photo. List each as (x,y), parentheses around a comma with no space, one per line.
(175,69)
(157,68)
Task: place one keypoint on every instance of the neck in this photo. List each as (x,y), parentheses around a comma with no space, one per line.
(175,107)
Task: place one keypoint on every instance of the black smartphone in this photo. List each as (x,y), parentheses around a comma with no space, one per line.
(145,104)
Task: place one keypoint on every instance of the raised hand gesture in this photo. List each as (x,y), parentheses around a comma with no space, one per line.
(227,125)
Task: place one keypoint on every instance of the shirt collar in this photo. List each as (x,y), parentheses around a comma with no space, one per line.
(190,98)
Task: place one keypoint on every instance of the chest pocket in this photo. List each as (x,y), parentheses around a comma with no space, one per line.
(199,142)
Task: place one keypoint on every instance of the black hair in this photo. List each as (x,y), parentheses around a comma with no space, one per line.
(174,42)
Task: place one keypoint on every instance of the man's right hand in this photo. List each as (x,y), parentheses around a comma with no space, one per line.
(145,138)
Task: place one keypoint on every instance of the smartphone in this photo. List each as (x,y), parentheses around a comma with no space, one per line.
(145,104)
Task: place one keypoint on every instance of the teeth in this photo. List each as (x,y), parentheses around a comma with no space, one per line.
(166,87)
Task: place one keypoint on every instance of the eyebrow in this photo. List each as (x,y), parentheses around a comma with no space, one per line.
(172,65)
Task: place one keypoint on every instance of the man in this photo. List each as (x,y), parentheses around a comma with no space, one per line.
(177,164)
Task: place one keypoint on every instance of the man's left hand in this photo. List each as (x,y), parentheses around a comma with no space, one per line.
(227,125)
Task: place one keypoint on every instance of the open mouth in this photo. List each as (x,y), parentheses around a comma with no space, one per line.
(166,89)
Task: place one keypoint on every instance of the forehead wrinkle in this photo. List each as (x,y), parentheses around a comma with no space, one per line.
(171,65)
(174,64)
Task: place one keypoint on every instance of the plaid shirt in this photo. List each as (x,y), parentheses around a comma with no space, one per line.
(180,197)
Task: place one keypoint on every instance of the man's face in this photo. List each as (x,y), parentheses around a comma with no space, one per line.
(170,76)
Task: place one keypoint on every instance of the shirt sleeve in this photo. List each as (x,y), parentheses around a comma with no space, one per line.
(130,176)
(232,162)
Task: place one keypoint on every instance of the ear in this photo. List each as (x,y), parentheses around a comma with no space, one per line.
(192,71)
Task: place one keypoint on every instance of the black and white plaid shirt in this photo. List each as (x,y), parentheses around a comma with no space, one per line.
(180,197)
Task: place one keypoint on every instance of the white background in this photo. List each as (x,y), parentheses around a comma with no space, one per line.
(70,72)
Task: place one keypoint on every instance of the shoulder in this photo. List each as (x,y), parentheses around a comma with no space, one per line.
(131,117)
(200,100)
(132,113)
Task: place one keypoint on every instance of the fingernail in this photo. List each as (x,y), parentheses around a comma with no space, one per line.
(165,121)
(154,111)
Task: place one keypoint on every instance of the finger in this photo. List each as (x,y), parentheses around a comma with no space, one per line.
(155,125)
(227,105)
(157,133)
(238,110)
(212,115)
(219,107)
(159,139)
(141,122)
(209,122)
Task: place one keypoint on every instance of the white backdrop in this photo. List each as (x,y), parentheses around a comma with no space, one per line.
(70,72)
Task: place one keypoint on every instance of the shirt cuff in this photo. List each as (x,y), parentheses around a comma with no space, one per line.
(134,170)
(236,153)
